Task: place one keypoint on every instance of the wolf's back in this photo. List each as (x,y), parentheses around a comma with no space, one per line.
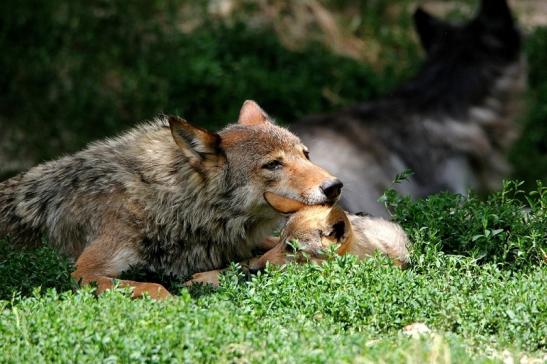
(66,200)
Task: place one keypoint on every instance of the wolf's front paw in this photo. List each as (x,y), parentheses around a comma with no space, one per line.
(210,277)
(154,290)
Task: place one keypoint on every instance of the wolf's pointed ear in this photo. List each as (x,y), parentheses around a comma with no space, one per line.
(495,12)
(429,28)
(252,114)
(196,143)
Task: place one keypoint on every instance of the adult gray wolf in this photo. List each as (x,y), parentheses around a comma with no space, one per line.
(166,195)
(451,125)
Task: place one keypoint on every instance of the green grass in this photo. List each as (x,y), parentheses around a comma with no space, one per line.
(480,293)
(340,311)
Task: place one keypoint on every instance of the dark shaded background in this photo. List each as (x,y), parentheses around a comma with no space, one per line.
(72,72)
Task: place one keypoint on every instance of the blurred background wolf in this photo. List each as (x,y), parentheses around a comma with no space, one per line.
(439,98)
(452,124)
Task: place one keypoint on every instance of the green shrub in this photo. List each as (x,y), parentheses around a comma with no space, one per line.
(23,271)
(473,285)
(501,229)
(340,311)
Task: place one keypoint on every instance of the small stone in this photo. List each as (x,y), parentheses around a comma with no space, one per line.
(416,329)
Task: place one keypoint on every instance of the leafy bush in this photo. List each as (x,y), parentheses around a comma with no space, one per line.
(22,271)
(342,309)
(501,229)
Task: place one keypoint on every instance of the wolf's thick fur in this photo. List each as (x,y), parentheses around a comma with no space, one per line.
(175,198)
(452,124)
(316,228)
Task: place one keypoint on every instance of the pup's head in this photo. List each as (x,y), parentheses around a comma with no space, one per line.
(265,164)
(492,36)
(316,228)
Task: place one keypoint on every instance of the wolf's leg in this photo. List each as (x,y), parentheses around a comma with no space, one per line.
(268,243)
(277,255)
(104,260)
(211,277)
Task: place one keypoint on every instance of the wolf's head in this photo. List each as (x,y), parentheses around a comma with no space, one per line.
(464,61)
(492,36)
(260,163)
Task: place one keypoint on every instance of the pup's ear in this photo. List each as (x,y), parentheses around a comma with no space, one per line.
(252,114)
(429,29)
(197,144)
(339,229)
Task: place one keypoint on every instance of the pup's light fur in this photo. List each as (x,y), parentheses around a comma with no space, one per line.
(316,228)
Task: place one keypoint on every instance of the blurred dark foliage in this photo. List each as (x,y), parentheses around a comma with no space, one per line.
(72,72)
(529,155)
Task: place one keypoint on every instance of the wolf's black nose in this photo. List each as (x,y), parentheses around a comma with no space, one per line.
(332,189)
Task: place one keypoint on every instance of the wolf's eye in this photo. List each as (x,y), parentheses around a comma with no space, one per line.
(307,154)
(273,165)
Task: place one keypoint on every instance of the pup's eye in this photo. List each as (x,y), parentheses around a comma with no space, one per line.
(273,165)
(307,154)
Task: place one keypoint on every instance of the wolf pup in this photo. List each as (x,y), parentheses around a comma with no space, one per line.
(452,124)
(167,195)
(316,228)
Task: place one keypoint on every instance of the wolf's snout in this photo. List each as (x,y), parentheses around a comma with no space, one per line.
(332,189)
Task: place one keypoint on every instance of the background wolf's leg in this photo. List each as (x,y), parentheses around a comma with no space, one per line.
(104,260)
